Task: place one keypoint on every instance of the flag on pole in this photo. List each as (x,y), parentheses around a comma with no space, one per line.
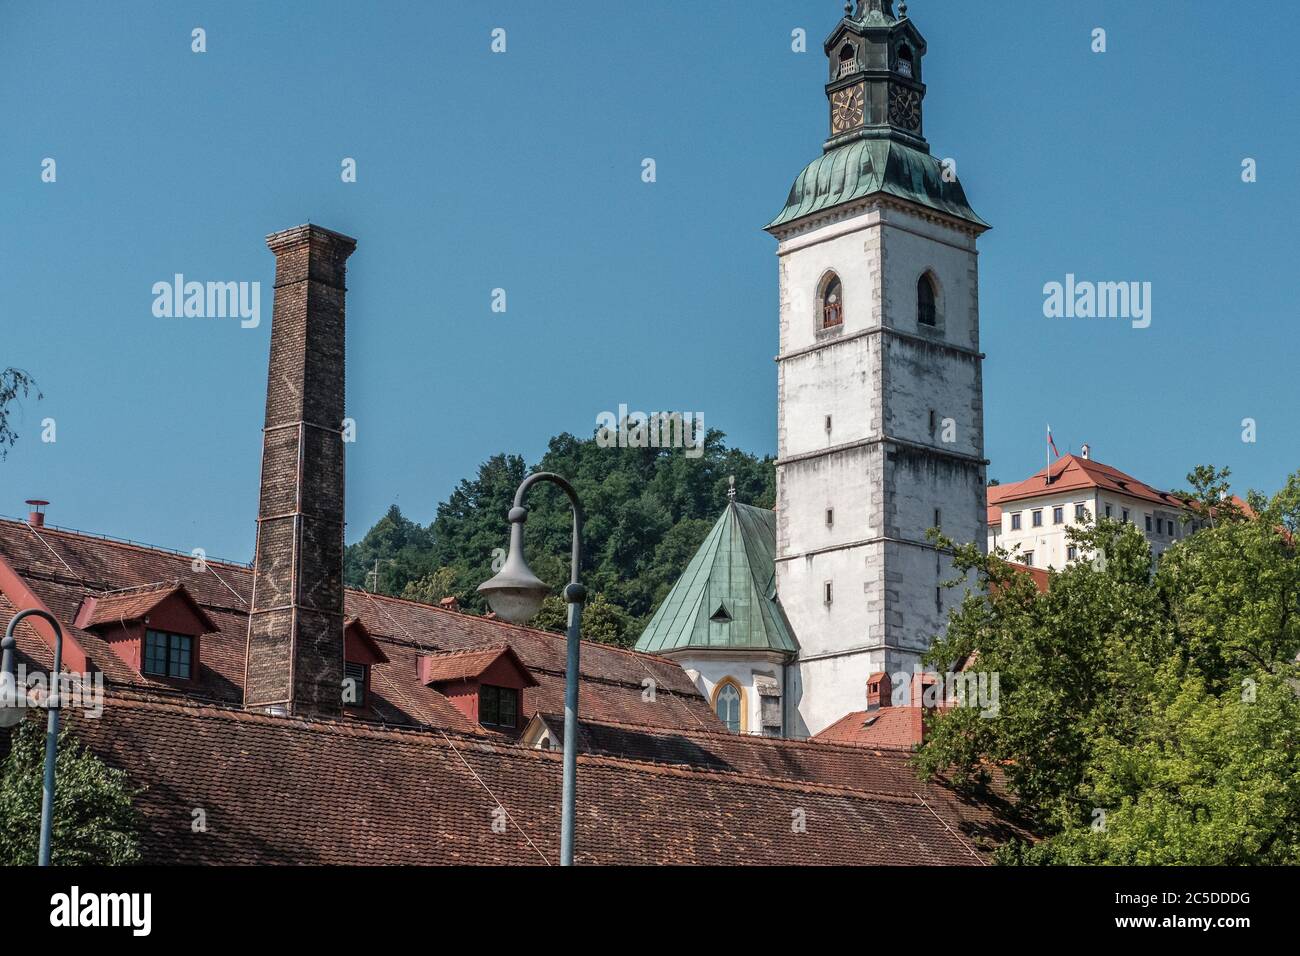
(1051,444)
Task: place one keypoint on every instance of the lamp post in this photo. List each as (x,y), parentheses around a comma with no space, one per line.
(11,713)
(516,595)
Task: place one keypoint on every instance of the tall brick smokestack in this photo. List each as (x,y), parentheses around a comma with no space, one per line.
(295,627)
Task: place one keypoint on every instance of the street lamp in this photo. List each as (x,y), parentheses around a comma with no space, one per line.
(11,713)
(516,595)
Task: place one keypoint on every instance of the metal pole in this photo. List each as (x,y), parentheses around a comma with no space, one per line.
(51,725)
(575,594)
(569,792)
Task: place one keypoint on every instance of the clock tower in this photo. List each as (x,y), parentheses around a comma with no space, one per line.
(875,86)
(880,396)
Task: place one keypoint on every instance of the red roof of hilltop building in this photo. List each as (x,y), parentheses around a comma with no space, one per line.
(1072,473)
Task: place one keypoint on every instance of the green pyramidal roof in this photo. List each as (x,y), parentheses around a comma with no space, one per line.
(865,166)
(726,598)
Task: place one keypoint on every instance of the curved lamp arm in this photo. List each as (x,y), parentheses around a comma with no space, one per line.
(574,593)
(10,642)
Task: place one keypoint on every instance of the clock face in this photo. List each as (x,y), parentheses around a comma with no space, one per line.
(846,109)
(905,108)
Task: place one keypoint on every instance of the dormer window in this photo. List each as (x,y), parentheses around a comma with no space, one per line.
(155,629)
(168,655)
(486,684)
(498,706)
(905,61)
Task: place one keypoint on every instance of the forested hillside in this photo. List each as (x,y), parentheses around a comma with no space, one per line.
(647,510)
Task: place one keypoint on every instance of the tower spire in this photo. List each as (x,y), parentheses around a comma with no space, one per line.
(875,85)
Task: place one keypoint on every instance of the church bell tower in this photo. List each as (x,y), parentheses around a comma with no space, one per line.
(880,395)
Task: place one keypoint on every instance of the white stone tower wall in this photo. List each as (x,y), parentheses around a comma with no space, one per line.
(882,467)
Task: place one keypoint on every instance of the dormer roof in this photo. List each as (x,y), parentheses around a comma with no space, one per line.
(136,604)
(446,666)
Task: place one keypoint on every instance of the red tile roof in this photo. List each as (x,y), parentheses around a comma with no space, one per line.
(134,603)
(285,790)
(65,568)
(1072,473)
(893,728)
(467,664)
(410,784)
(1042,579)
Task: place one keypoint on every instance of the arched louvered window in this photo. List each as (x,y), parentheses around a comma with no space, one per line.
(832,302)
(925,311)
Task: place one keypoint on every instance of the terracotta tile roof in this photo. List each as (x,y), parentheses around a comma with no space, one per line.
(889,728)
(870,769)
(466,664)
(132,604)
(66,568)
(1042,579)
(285,790)
(1072,473)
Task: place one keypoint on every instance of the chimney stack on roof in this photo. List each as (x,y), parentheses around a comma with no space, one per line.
(1086,451)
(36,516)
(294,660)
(879,691)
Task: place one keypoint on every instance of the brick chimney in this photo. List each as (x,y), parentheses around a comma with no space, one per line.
(36,516)
(879,689)
(294,662)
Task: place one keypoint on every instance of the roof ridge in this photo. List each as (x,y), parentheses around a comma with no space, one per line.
(726,734)
(496,621)
(344,727)
(132,545)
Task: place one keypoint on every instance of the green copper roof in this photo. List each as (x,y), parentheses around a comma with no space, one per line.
(866,166)
(726,598)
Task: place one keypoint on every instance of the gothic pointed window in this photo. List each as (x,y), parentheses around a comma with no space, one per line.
(727,701)
(925,311)
(832,302)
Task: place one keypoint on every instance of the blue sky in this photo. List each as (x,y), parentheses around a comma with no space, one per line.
(522,171)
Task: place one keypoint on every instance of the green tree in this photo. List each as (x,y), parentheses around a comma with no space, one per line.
(94,821)
(1158,699)
(647,511)
(601,621)
(397,546)
(14,384)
